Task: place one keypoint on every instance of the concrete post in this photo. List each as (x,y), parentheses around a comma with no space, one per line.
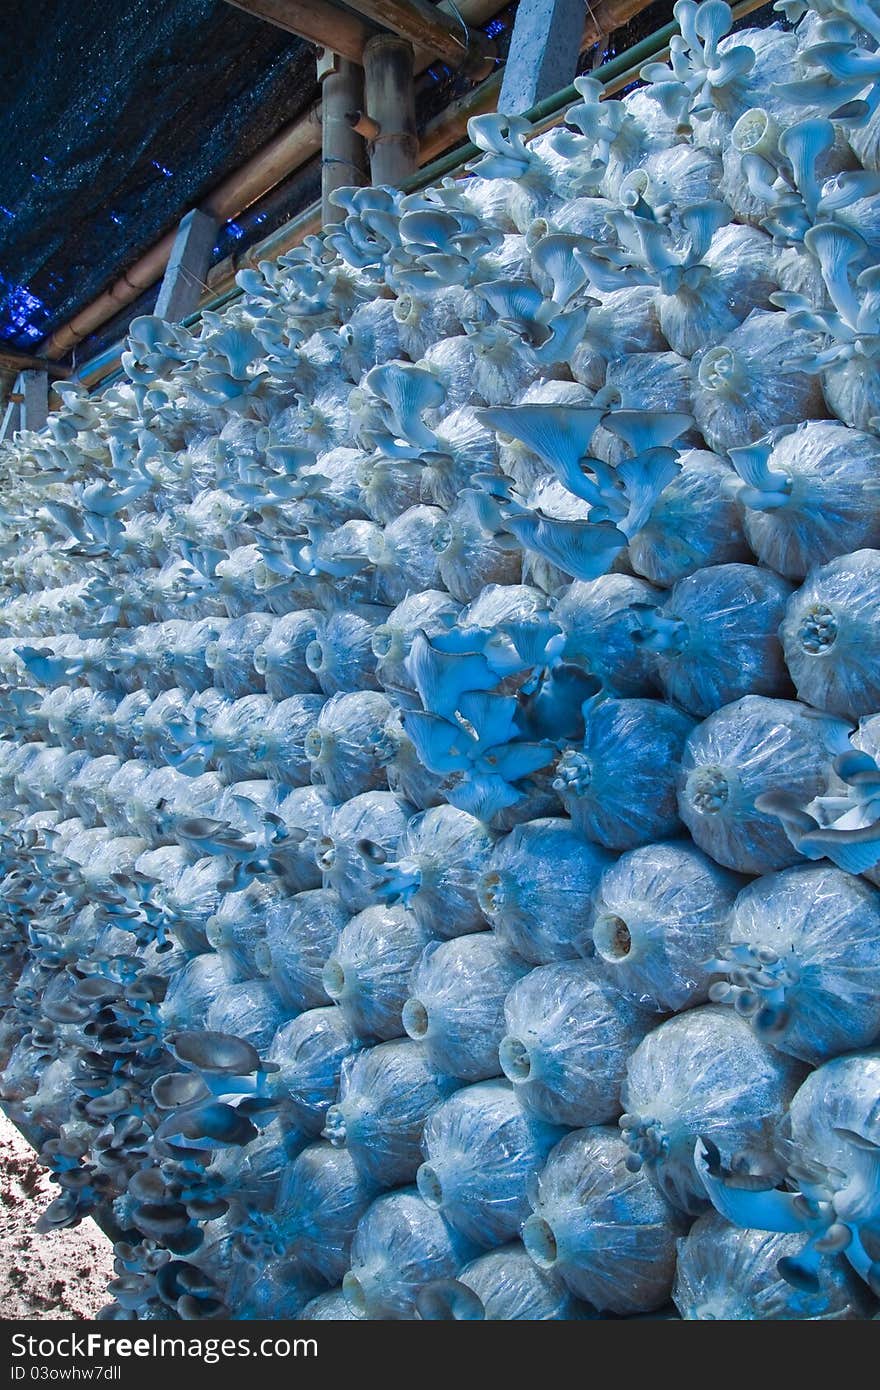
(343,152)
(187,270)
(390,102)
(11,417)
(35,405)
(28,405)
(544,50)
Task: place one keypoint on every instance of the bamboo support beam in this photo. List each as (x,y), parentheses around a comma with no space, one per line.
(12,361)
(321,23)
(434,30)
(429,27)
(603,18)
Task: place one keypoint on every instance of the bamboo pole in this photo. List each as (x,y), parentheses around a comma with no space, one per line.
(343,152)
(13,361)
(390,101)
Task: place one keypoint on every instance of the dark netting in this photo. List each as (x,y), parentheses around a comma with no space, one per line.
(117,119)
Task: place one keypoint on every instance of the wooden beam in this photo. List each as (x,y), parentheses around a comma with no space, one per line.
(428,27)
(13,361)
(607,15)
(318,21)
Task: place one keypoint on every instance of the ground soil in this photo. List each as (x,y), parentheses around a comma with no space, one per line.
(60,1275)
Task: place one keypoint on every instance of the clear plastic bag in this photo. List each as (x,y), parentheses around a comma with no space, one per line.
(803,961)
(727,1274)
(436,868)
(715,638)
(348,745)
(279,750)
(693,523)
(598,624)
(253,1173)
(321,1199)
(470,556)
(456,1003)
(191,991)
(237,928)
(125,728)
(187,904)
(432,612)
(811,493)
(280,658)
(569,1034)
(744,384)
(82,793)
(341,656)
(114,799)
(310,1052)
(504,1285)
(741,752)
(332,1306)
(704,1074)
(404,556)
(400,1245)
(249,1010)
(481,1150)
(275,1290)
(660,918)
(183,646)
(301,932)
(600,1228)
(367,972)
(834,1129)
(385,1094)
(305,814)
(538,887)
(231,656)
(619,786)
(360,837)
(830,636)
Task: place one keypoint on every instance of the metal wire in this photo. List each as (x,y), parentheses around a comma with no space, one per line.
(466,31)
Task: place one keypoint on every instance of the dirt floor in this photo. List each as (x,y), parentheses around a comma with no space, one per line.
(61,1275)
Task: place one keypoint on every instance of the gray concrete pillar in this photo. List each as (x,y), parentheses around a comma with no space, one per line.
(544,50)
(34,387)
(188,266)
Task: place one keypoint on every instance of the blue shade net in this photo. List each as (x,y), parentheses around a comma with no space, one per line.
(116,119)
